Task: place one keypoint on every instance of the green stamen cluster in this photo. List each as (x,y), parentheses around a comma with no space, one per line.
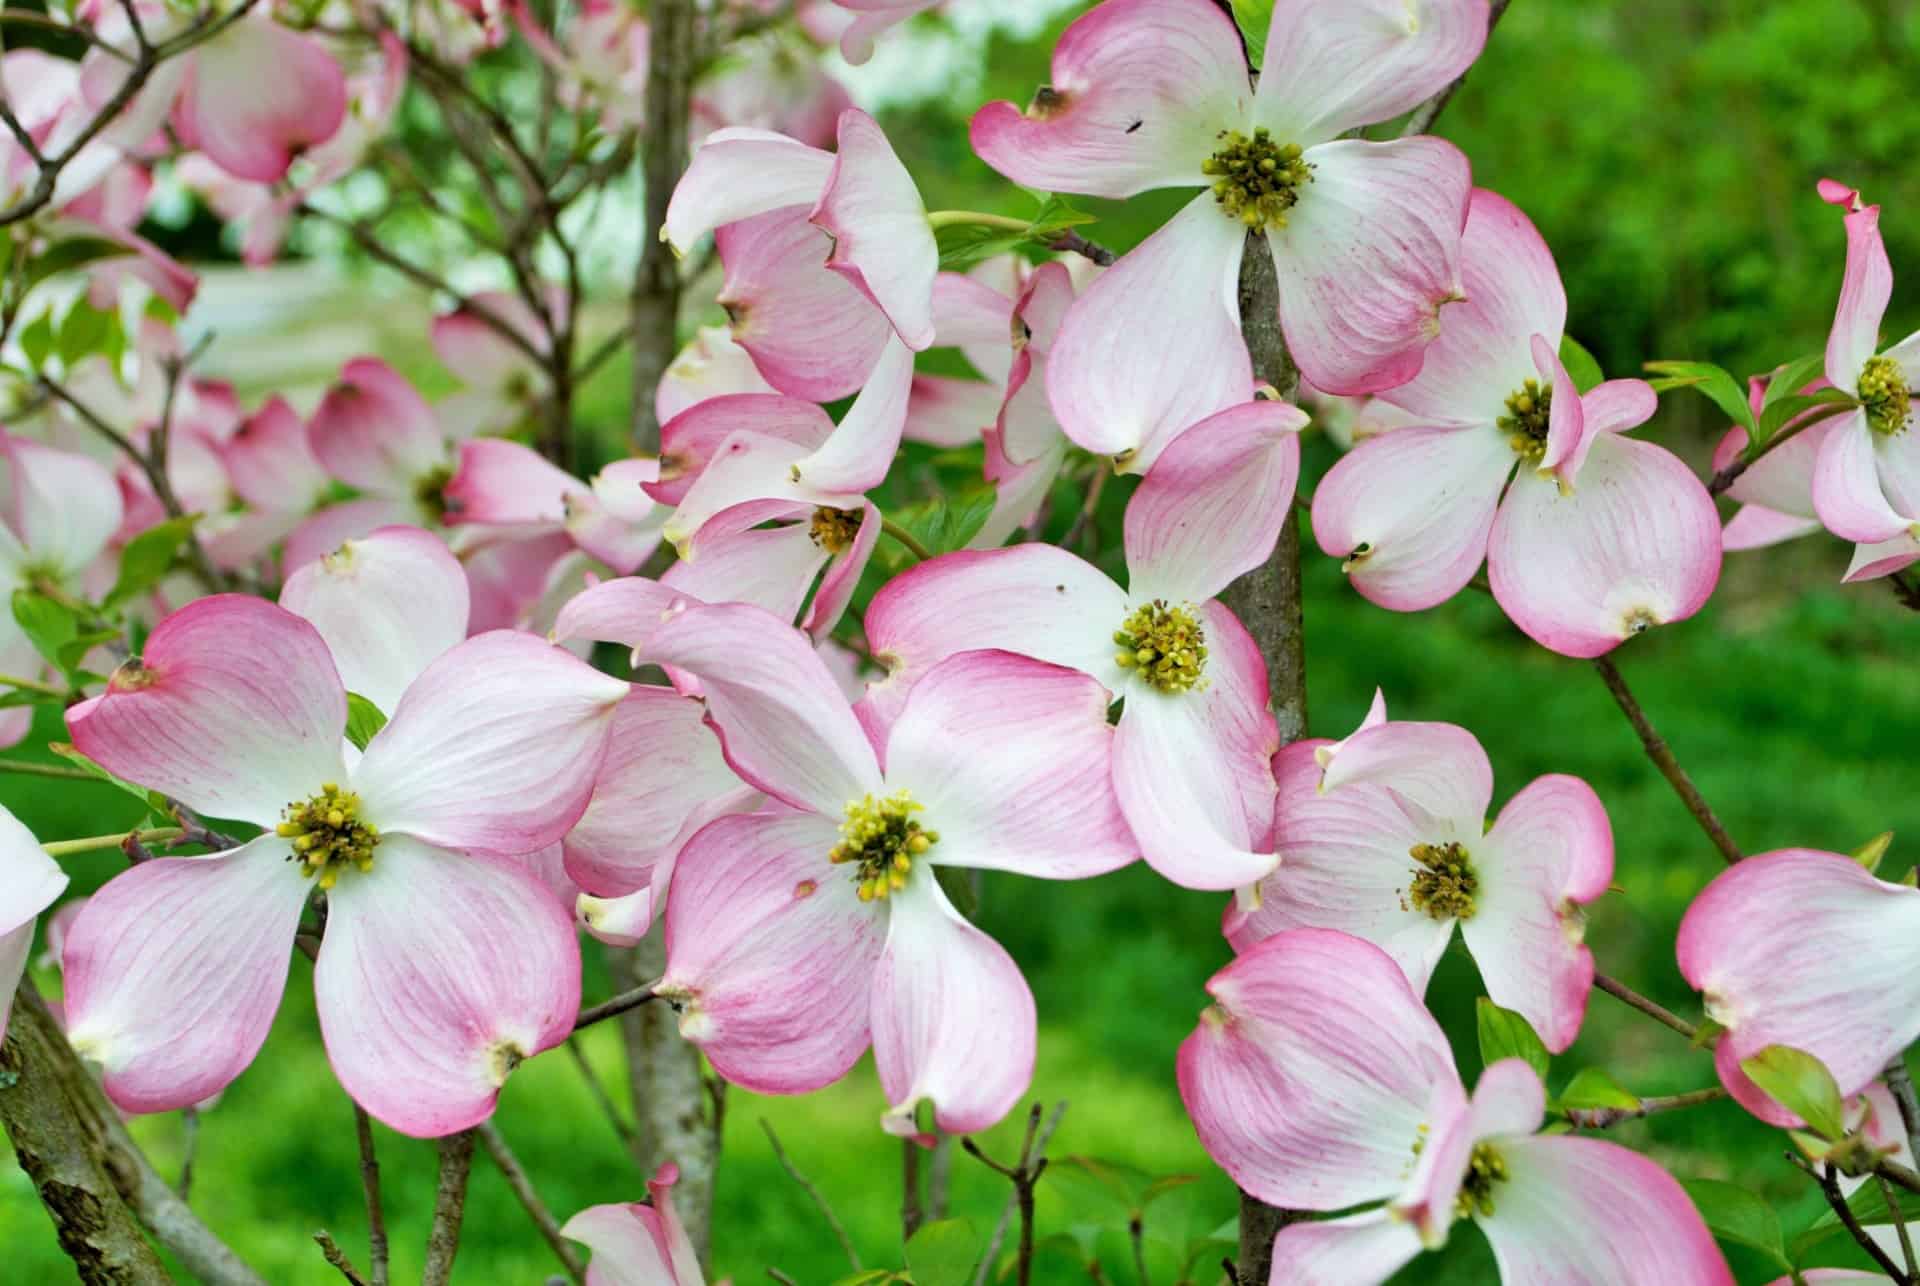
(1486,1170)
(1884,392)
(834,529)
(882,838)
(328,835)
(1444,883)
(1257,180)
(1529,410)
(1165,645)
(430,490)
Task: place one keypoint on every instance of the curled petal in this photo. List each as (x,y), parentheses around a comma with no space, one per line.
(1369,1247)
(743,559)
(1439,768)
(270,463)
(33,880)
(711,365)
(374,431)
(1847,485)
(946,412)
(1568,435)
(1333,65)
(326,529)
(1871,562)
(1757,527)
(836,588)
(636,1245)
(856,457)
(691,440)
(1508,1100)
(1864,291)
(626,610)
(738,173)
(258,95)
(503,483)
(874,18)
(882,241)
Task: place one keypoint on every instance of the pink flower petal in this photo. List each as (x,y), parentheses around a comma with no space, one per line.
(33,880)
(691,440)
(1139,93)
(175,968)
(259,95)
(636,1245)
(626,610)
(270,463)
(1864,291)
(481,356)
(953,1020)
(373,431)
(973,316)
(234,709)
(1154,345)
(1509,1100)
(861,449)
(738,173)
(1569,437)
(1369,257)
(873,19)
(333,526)
(743,560)
(1757,527)
(1027,429)
(504,483)
(1870,562)
(749,472)
(1637,544)
(64,507)
(1213,504)
(836,589)
(495,747)
(386,606)
(1012,760)
(1437,767)
(1847,490)
(1368,1247)
(770,954)
(16,945)
(947,412)
(1333,66)
(439,974)
(711,365)
(882,242)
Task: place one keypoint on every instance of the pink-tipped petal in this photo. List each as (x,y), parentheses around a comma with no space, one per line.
(481,356)
(836,588)
(1847,490)
(626,1251)
(946,412)
(743,559)
(1569,437)
(1369,1247)
(1757,527)
(873,19)
(1864,293)
(861,449)
(882,242)
(64,507)
(738,173)
(973,316)
(1508,1100)
(1870,562)
(626,610)
(259,95)
(333,526)
(503,483)
(438,976)
(15,946)
(691,440)
(1437,767)
(711,365)
(270,463)
(374,431)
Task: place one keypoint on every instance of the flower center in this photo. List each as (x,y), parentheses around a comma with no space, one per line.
(881,838)
(1486,1170)
(1165,645)
(328,835)
(1444,883)
(1257,180)
(1883,391)
(834,529)
(430,490)
(1529,410)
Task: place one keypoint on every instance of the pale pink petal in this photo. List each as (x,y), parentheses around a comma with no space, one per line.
(484,358)
(947,412)
(175,968)
(16,945)
(1569,436)
(1782,479)
(1139,94)
(1213,504)
(953,1020)
(738,173)
(1362,1248)
(1310,1079)
(495,747)
(623,921)
(1550,852)
(1585,1212)
(1757,527)
(438,976)
(259,95)
(270,463)
(690,441)
(742,560)
(64,507)
(1871,562)
(504,483)
(233,708)
(874,18)
(749,471)
(1438,767)
(1864,291)
(625,1249)
(711,365)
(836,588)
(1011,758)
(1635,545)
(1509,1100)
(1896,458)
(882,241)
(626,610)
(387,606)
(1334,65)
(973,316)
(329,528)
(374,431)
(1019,490)
(1027,429)
(861,450)
(1154,345)
(615,520)
(770,953)
(33,880)
(1369,257)
(1847,490)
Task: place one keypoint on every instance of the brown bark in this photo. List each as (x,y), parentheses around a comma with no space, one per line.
(655,308)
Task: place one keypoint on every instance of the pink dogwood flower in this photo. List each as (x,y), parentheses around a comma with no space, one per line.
(710,365)
(271,467)
(638,1244)
(1192,751)
(1776,945)
(504,381)
(1365,236)
(501,483)
(1384,836)
(1319,1082)
(1597,538)
(30,883)
(444,964)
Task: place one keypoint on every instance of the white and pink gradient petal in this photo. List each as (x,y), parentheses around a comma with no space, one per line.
(873,19)
(439,974)
(738,173)
(1213,504)
(33,880)
(835,592)
(374,431)
(742,559)
(953,1020)
(1369,258)
(1140,91)
(1364,1248)
(63,507)
(751,472)
(234,708)
(1848,484)
(882,242)
(857,455)
(326,529)
(475,351)
(1635,545)
(1508,1100)
(970,314)
(1864,291)
(625,610)
(691,440)
(1311,1078)
(1777,945)
(1758,527)
(1154,344)
(15,946)
(1584,1212)
(1549,853)
(502,483)
(947,412)
(258,95)
(269,462)
(494,748)
(1012,760)
(711,365)
(771,952)
(1334,65)
(386,606)
(1870,562)
(1569,437)
(638,1245)
(1438,768)
(175,968)
(1025,428)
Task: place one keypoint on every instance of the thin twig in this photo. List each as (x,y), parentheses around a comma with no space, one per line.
(819,1199)
(370,1184)
(654,303)
(1663,759)
(1899,1225)
(1628,996)
(1830,1188)
(906,539)
(913,1211)
(1725,478)
(1071,242)
(1024,1175)
(46,770)
(1601,1118)
(449,1208)
(781,1277)
(1900,1085)
(1424,115)
(620,1004)
(516,1177)
(599,1092)
(190,1127)
(338,1258)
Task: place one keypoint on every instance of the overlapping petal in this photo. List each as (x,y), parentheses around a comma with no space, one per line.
(882,242)
(258,95)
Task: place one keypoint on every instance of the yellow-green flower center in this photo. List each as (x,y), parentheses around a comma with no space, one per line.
(430,490)
(1884,392)
(1486,1170)
(834,529)
(1529,411)
(881,838)
(1165,645)
(1444,883)
(1257,180)
(328,835)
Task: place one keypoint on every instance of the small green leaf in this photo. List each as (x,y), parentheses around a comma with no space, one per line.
(1793,377)
(1580,364)
(148,557)
(75,650)
(1712,382)
(1254,17)
(1870,853)
(84,331)
(944,1253)
(874,1277)
(1801,1083)
(36,340)
(49,625)
(1788,409)
(962,245)
(1594,1087)
(1505,1034)
(943,524)
(1707,1034)
(364,719)
(1735,1215)
(78,760)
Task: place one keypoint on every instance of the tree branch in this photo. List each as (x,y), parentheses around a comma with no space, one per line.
(655,304)
(449,1208)
(1663,759)
(1012,1204)
(1628,996)
(1602,1118)
(370,1184)
(1830,1189)
(1024,1174)
(819,1199)
(516,1177)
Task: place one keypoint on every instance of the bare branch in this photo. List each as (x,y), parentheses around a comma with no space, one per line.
(819,1199)
(1663,759)
(370,1184)
(338,1258)
(1602,1118)
(516,1177)
(655,304)
(632,998)
(449,1208)
(1628,996)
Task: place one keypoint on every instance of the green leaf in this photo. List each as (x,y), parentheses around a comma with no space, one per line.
(78,760)
(1580,364)
(148,557)
(944,1253)
(75,650)
(962,245)
(84,331)
(1734,1214)
(873,1277)
(1788,409)
(1801,1083)
(75,252)
(1715,384)
(1505,1034)
(1120,1189)
(1254,17)
(364,719)
(49,625)
(1594,1087)
(942,524)
(1793,377)
(36,340)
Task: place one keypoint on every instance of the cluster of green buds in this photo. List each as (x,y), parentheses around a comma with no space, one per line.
(834,529)
(1164,645)
(1884,393)
(1257,180)
(1444,883)
(1529,412)
(882,838)
(328,835)
(1486,1170)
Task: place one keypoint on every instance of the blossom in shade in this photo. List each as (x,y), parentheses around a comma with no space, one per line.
(638,1244)
(29,882)
(1319,1082)
(504,380)
(1384,836)
(272,469)
(504,484)
(1777,945)
(1365,236)
(1597,538)
(443,964)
